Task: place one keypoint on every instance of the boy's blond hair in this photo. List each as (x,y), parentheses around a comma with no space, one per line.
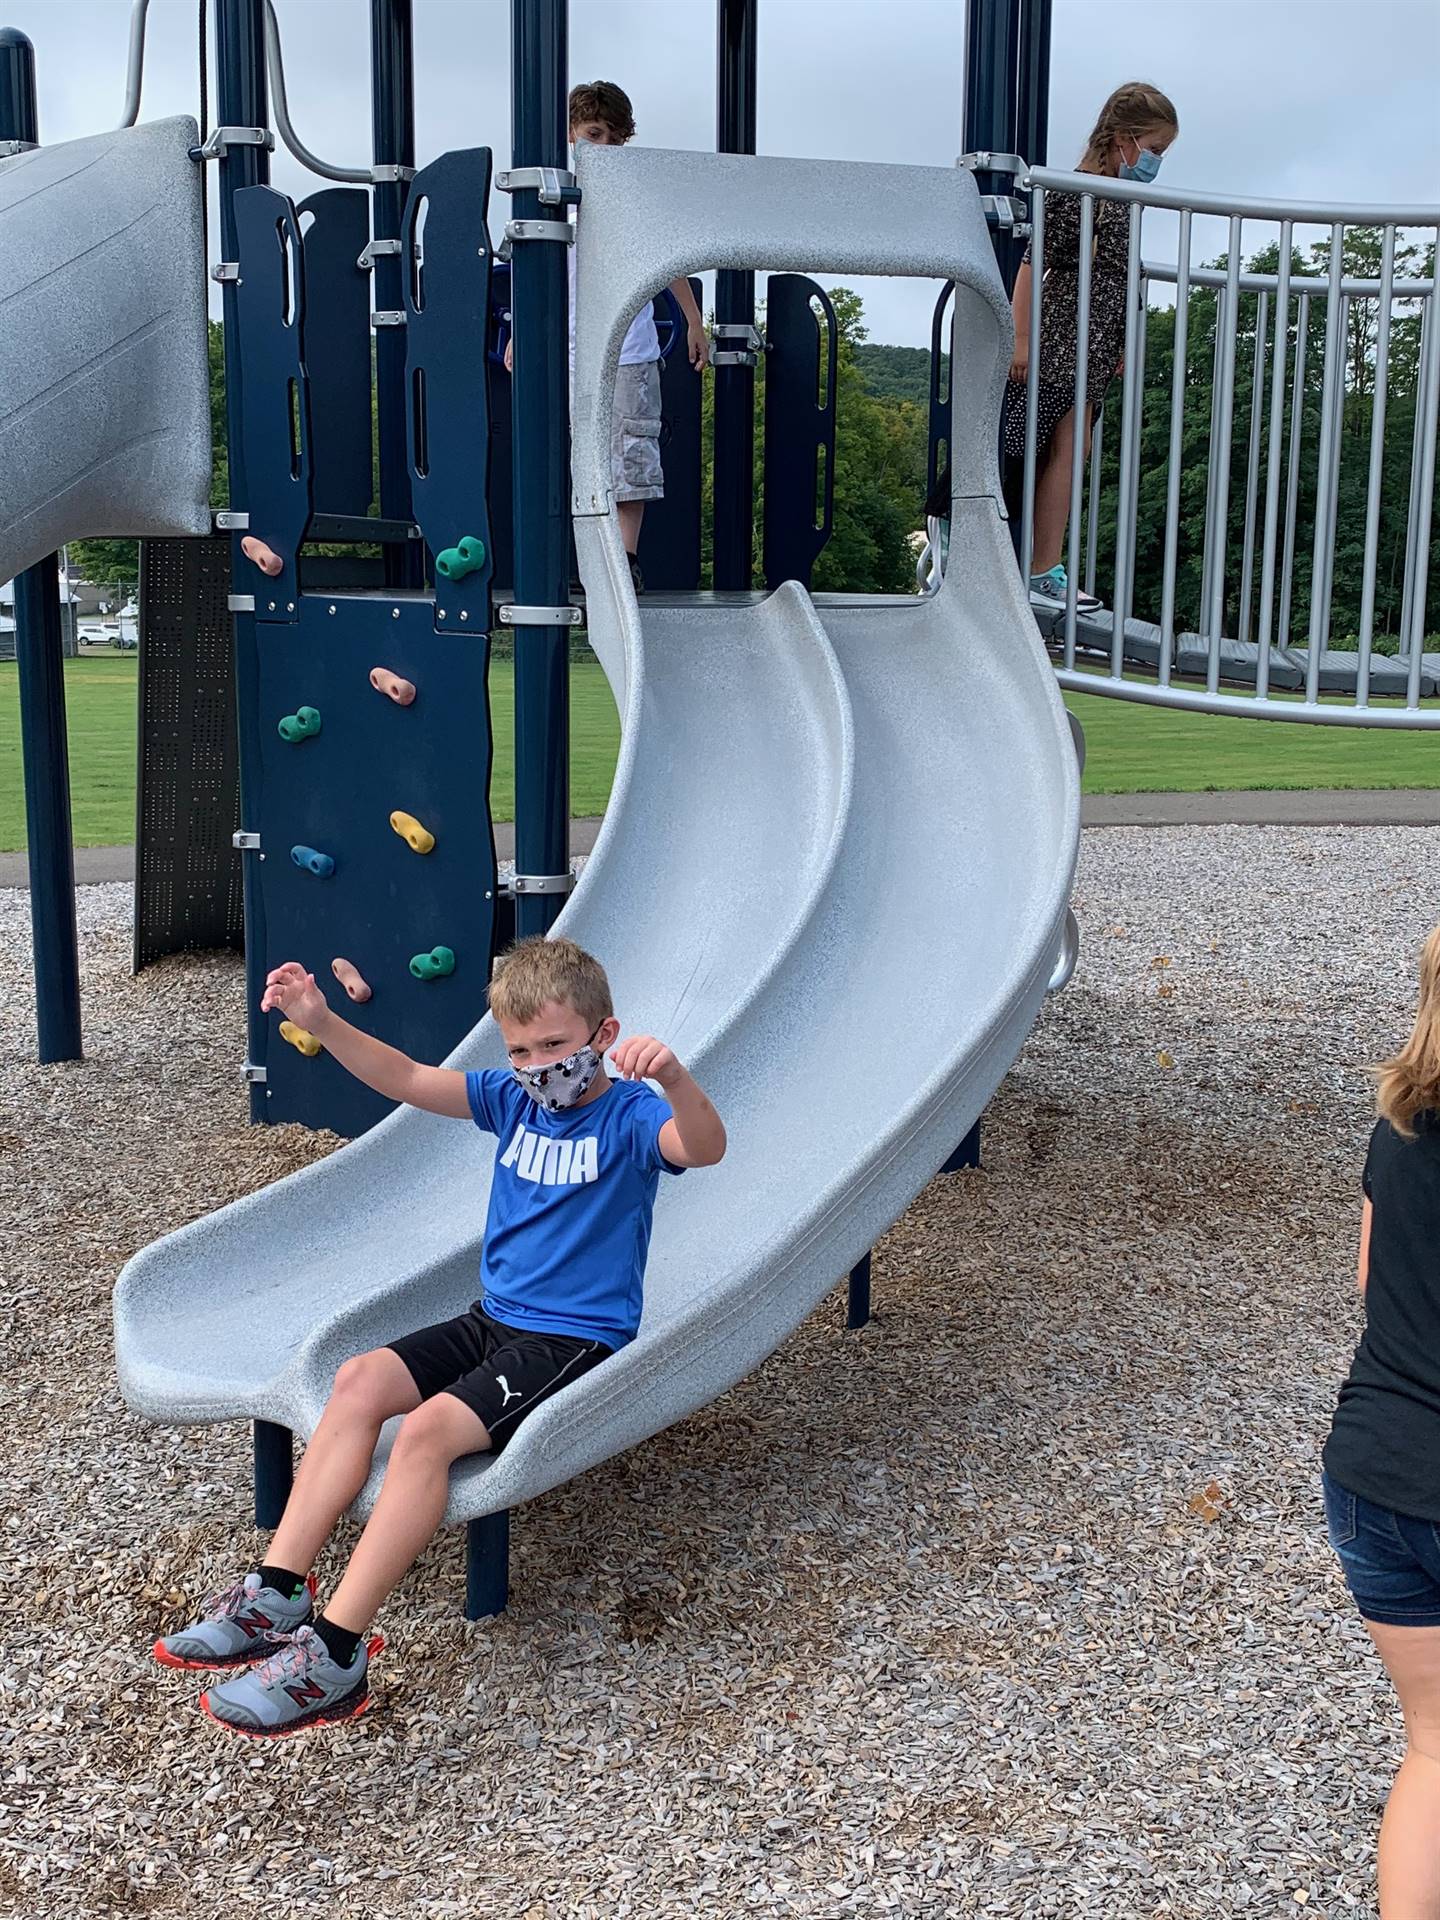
(536,971)
(1134,109)
(1409,1081)
(602,100)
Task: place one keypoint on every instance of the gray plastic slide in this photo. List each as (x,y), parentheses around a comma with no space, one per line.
(834,874)
(104,379)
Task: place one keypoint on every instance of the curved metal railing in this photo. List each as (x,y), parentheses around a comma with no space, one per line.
(1261,589)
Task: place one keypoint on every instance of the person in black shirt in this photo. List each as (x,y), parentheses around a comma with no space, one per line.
(1382,1459)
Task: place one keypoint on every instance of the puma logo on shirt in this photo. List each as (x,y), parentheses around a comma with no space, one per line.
(550,1162)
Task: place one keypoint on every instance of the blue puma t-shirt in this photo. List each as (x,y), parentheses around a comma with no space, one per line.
(568,1230)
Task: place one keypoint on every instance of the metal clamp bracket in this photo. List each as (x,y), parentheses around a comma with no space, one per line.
(1003,210)
(391,174)
(542,883)
(244,842)
(751,344)
(240,602)
(388,317)
(993,163)
(223,138)
(226,272)
(232,520)
(569,616)
(9,148)
(556,186)
(561,230)
(254,1076)
(373,250)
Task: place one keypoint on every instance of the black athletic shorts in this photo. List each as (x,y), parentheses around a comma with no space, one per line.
(501,1373)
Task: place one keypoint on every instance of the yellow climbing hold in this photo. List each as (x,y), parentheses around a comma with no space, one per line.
(419,839)
(304,1042)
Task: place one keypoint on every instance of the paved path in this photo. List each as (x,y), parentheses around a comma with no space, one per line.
(1405,807)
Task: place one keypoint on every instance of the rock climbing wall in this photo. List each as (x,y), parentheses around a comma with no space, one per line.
(364,716)
(375,841)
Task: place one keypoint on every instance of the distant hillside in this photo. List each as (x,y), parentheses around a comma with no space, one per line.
(895,373)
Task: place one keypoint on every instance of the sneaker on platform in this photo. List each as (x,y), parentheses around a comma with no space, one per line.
(1048,590)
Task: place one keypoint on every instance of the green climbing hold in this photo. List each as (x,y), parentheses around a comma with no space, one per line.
(433,965)
(453,563)
(302,725)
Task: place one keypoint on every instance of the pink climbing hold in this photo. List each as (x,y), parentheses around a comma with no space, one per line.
(350,979)
(402,692)
(265,558)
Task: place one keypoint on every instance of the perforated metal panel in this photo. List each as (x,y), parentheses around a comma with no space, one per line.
(187,872)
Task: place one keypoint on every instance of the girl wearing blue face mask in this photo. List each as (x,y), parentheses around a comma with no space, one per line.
(1136,126)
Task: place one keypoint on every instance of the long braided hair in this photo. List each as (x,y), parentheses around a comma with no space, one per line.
(1135,108)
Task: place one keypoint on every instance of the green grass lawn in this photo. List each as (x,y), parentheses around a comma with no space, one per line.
(1131,749)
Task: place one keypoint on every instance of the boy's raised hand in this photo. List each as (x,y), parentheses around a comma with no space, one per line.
(293,991)
(642,1057)
(697,345)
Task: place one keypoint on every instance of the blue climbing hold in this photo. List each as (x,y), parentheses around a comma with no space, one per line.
(313,862)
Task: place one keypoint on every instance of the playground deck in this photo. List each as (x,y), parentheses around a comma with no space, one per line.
(920,1620)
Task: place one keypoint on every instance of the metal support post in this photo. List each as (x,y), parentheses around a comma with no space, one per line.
(392,118)
(541,438)
(487,1565)
(992,57)
(241,102)
(967,1154)
(857,1313)
(1032,108)
(734,483)
(274,1472)
(39,654)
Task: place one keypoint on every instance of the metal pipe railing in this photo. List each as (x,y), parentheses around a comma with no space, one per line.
(280,105)
(135,64)
(1329,394)
(1085,267)
(1272,464)
(1252,466)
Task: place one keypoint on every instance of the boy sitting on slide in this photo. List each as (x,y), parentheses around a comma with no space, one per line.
(578,1162)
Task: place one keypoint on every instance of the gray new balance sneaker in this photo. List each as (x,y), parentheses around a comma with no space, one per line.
(297,1688)
(243,1624)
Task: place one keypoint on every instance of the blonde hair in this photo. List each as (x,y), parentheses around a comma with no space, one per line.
(536,971)
(1408,1083)
(1134,108)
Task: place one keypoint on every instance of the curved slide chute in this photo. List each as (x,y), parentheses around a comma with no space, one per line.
(834,874)
(104,364)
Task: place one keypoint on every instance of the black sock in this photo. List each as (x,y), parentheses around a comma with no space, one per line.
(282,1580)
(340,1643)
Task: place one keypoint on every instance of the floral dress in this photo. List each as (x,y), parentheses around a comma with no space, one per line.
(1058,318)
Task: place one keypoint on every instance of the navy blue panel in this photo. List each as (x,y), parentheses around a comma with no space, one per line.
(938,461)
(447,299)
(501,491)
(799,427)
(274,393)
(337,334)
(670,532)
(335,792)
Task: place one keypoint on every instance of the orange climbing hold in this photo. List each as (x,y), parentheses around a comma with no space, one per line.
(265,558)
(351,979)
(402,692)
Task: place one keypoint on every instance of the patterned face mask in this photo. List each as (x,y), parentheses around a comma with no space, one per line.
(560,1083)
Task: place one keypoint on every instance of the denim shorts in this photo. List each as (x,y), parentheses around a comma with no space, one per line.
(1391,1562)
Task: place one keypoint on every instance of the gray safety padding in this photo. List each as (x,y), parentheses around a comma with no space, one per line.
(1190,654)
(1339,672)
(827,818)
(104,377)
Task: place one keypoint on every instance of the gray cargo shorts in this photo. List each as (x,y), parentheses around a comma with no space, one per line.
(635,469)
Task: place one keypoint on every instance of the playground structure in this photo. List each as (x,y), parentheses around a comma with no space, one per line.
(364,718)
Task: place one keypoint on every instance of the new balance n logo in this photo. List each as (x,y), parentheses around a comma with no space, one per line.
(254,1622)
(304,1692)
(553,1163)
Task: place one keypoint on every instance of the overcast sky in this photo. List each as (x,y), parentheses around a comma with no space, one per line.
(1316,99)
